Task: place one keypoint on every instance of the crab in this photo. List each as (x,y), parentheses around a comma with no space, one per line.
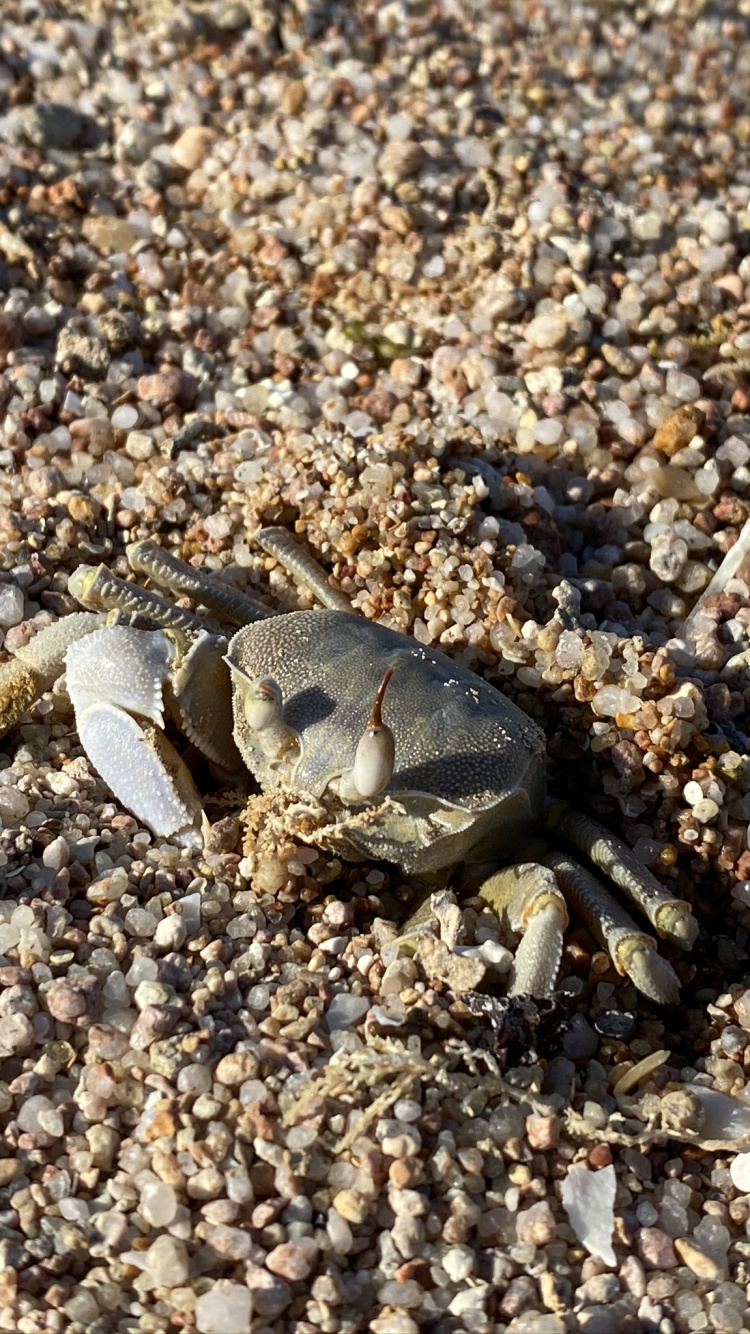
(407,756)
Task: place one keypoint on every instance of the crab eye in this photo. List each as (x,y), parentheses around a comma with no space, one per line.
(376,752)
(262,704)
(373,762)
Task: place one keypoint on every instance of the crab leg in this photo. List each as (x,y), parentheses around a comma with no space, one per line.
(95,586)
(169,572)
(631,950)
(37,665)
(528,899)
(670,917)
(278,543)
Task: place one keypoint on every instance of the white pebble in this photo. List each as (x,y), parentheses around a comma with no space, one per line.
(588,1199)
(693,793)
(611,700)
(739,1171)
(682,386)
(705,810)
(546,330)
(11,606)
(13,805)
(225,1309)
(125,417)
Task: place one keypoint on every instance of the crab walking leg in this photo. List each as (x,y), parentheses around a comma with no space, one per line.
(631,950)
(95,586)
(278,543)
(115,680)
(529,900)
(670,917)
(37,665)
(169,572)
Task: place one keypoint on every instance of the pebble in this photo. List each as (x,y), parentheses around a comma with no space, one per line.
(167,1263)
(345,1010)
(293,1261)
(536,1225)
(51,125)
(12,605)
(225,1309)
(698,1259)
(655,1248)
(237,1067)
(546,331)
(194,144)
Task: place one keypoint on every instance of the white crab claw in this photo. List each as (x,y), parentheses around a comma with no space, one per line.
(112,675)
(123,666)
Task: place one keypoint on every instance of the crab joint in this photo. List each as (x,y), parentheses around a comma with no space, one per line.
(631,950)
(670,916)
(527,899)
(375,755)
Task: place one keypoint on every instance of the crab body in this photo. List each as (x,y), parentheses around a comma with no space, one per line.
(468,780)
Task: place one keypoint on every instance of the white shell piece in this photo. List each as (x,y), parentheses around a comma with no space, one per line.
(119,665)
(141,767)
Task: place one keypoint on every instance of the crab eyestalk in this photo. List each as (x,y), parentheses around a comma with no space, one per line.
(258,707)
(375,755)
(262,704)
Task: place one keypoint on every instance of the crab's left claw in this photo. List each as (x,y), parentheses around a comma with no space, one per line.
(115,679)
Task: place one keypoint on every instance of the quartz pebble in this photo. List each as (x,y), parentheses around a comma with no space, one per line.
(11,605)
(588,1198)
(225,1309)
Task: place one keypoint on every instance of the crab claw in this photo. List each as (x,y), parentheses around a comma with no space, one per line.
(375,756)
(115,679)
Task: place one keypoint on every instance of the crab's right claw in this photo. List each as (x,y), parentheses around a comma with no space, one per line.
(115,679)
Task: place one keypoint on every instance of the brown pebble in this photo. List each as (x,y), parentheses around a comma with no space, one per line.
(352,1205)
(169,386)
(73,1000)
(237,1067)
(380,404)
(194,144)
(543,1132)
(11,331)
(655,1248)
(536,1226)
(678,429)
(699,1260)
(600,1156)
(84,510)
(292,1261)
(404,1173)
